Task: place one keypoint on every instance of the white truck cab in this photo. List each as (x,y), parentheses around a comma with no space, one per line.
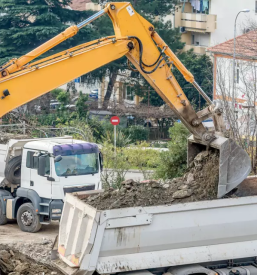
(36,174)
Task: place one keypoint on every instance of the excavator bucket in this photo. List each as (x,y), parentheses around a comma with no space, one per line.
(234,162)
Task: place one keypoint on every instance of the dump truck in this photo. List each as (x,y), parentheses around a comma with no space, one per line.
(35,175)
(205,237)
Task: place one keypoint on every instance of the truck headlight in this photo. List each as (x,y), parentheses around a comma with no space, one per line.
(56,211)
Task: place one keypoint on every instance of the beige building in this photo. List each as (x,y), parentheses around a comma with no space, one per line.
(205,23)
(82,5)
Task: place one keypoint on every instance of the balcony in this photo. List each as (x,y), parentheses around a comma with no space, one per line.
(197,49)
(196,22)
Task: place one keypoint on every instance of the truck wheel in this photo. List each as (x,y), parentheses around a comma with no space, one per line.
(27,218)
(13,170)
(3,219)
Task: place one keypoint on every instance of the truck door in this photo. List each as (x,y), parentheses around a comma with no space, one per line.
(39,183)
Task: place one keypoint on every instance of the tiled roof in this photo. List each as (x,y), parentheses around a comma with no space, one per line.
(79,5)
(246,46)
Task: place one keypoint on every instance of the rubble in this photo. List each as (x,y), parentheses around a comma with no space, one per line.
(13,262)
(199,183)
(39,252)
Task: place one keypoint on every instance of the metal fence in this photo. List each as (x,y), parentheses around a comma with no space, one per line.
(41,132)
(19,127)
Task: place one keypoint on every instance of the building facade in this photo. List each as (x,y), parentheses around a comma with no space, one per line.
(235,84)
(205,23)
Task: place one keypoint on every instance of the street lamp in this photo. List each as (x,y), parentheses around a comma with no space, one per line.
(234,59)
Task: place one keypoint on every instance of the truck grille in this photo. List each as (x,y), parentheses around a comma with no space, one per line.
(78,189)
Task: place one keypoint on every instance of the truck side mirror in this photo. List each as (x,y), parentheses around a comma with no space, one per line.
(41,165)
(58,158)
(101,161)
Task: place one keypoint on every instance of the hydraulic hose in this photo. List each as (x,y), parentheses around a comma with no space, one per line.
(158,61)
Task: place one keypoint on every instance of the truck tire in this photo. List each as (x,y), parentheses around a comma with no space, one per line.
(3,219)
(13,170)
(28,219)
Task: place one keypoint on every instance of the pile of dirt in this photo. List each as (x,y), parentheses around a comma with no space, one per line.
(199,183)
(37,251)
(14,263)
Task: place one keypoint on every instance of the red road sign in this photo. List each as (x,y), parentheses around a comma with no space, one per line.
(115,120)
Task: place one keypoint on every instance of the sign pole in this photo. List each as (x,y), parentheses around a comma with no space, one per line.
(115,121)
(115,140)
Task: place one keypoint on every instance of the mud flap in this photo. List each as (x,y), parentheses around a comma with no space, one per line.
(54,251)
(234,162)
(58,263)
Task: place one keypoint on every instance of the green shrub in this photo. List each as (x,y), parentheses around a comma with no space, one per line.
(122,139)
(173,163)
(116,165)
(143,158)
(56,92)
(137,133)
(97,128)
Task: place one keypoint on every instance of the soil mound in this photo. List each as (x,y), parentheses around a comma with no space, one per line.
(14,263)
(199,183)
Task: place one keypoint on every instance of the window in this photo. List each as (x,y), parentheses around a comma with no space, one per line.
(255,6)
(47,171)
(75,165)
(32,161)
(130,93)
(193,39)
(237,75)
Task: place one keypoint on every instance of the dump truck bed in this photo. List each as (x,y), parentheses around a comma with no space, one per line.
(140,238)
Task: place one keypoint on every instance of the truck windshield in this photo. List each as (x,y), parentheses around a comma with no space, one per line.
(75,165)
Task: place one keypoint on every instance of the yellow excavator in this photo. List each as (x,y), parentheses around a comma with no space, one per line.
(22,81)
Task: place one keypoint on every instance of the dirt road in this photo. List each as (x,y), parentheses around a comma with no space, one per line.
(10,233)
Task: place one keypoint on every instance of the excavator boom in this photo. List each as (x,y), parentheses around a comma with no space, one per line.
(135,38)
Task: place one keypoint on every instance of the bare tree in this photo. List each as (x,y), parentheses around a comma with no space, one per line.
(240,119)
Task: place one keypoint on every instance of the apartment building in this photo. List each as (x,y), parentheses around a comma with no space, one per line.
(206,23)
(82,5)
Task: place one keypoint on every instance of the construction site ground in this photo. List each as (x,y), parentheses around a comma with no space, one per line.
(27,253)
(10,233)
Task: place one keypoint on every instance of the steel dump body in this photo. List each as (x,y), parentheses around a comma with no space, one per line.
(140,238)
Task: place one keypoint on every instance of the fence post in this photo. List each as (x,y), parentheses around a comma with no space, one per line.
(24,128)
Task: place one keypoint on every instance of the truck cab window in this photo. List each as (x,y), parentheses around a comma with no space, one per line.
(78,164)
(35,162)
(47,165)
(30,160)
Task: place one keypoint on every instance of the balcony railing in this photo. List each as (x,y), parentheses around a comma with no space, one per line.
(197,22)
(197,49)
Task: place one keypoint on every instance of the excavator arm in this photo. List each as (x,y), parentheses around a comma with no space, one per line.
(135,37)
